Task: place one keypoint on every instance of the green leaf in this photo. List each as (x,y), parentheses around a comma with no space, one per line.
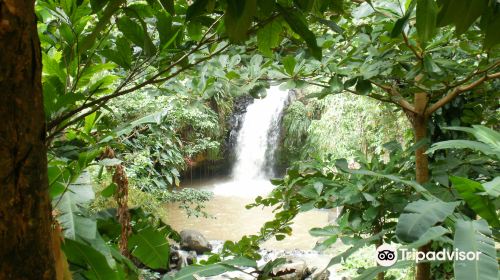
(169,6)
(164,27)
(432,233)
(196,9)
(204,271)
(238,18)
(70,204)
(469,12)
(471,192)
(194,30)
(308,192)
(493,187)
(475,236)
(268,37)
(241,261)
(336,85)
(109,190)
(421,215)
(326,231)
(289,63)
(356,246)
(87,257)
(298,24)
(426,19)
(430,66)
(461,13)
(463,144)
(131,30)
(492,31)
(150,247)
(97,5)
(363,87)
(372,272)
(402,22)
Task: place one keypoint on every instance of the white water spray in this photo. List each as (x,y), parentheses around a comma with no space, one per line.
(255,147)
(258,136)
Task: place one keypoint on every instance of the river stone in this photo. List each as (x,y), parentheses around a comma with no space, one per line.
(294,268)
(193,240)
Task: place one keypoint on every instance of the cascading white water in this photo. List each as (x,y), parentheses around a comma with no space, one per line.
(255,145)
(258,136)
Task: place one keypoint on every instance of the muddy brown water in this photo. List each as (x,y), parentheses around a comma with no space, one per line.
(231,220)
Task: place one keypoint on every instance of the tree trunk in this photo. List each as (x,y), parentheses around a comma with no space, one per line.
(421,166)
(25,210)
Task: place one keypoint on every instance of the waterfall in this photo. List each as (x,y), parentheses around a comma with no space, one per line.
(258,137)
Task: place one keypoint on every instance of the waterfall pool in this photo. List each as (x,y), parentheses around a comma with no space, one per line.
(231,220)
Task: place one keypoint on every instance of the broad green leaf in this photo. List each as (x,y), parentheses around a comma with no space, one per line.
(431,234)
(471,192)
(69,205)
(136,33)
(168,5)
(289,63)
(403,21)
(308,192)
(238,18)
(469,12)
(196,9)
(241,262)
(492,31)
(463,144)
(431,67)
(194,30)
(461,13)
(150,247)
(87,257)
(298,24)
(475,236)
(363,87)
(268,37)
(326,231)
(426,19)
(109,190)
(336,85)
(97,5)
(110,10)
(493,187)
(164,27)
(421,215)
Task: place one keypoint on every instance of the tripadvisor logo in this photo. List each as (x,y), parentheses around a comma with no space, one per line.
(387,255)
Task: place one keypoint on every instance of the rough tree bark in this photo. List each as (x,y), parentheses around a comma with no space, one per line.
(419,122)
(25,210)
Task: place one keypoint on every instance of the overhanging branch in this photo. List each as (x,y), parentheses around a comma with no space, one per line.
(396,97)
(458,90)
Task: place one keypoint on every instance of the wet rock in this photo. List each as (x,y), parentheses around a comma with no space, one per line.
(180,258)
(193,240)
(294,268)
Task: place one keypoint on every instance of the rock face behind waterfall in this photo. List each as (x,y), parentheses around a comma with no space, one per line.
(234,125)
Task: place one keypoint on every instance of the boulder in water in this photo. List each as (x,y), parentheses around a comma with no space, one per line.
(294,268)
(193,240)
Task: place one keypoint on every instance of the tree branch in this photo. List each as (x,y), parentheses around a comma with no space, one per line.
(407,43)
(396,97)
(455,92)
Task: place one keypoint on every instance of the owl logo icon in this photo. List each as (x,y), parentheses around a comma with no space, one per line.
(386,255)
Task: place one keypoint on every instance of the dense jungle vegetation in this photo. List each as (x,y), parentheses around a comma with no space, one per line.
(108,106)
